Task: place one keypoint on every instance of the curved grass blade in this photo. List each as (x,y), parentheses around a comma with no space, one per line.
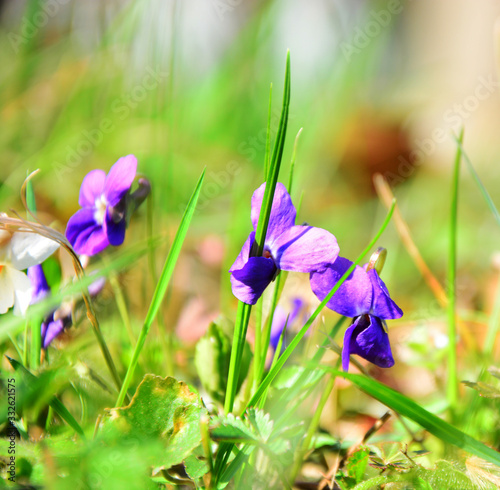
(433,424)
(161,287)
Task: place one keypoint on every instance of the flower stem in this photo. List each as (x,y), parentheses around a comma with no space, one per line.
(121,304)
(452,381)
(306,443)
(239,338)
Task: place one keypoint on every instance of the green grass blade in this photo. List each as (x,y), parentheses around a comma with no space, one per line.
(482,188)
(267,156)
(452,380)
(433,424)
(292,162)
(272,176)
(162,285)
(54,403)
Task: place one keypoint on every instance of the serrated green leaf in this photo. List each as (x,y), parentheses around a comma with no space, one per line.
(233,429)
(357,463)
(164,409)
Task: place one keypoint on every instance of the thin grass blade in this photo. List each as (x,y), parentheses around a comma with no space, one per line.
(162,285)
(408,408)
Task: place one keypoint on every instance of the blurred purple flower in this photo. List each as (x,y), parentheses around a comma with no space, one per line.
(287,247)
(281,319)
(57,320)
(103,198)
(365,297)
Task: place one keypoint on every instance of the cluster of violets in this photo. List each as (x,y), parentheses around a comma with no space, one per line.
(289,247)
(107,204)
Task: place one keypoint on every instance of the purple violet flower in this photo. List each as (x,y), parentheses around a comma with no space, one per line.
(281,319)
(287,247)
(57,320)
(363,296)
(103,217)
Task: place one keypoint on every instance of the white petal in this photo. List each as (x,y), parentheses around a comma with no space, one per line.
(29,249)
(5,250)
(6,290)
(22,290)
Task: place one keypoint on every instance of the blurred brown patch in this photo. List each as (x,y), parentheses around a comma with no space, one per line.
(373,145)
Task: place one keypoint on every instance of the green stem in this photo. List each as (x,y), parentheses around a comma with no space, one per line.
(452,381)
(163,335)
(25,344)
(292,162)
(239,338)
(122,306)
(258,344)
(313,426)
(36,343)
(267,331)
(493,324)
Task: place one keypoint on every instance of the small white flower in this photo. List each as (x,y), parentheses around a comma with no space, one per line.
(18,251)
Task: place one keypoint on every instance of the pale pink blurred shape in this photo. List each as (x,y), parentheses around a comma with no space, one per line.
(211,250)
(194,320)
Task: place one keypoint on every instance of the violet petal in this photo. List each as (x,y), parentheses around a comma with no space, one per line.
(115,231)
(242,258)
(119,179)
(50,330)
(282,213)
(38,282)
(382,304)
(304,249)
(249,283)
(354,296)
(85,235)
(92,188)
(367,338)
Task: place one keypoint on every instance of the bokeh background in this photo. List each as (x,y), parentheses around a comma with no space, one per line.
(376,86)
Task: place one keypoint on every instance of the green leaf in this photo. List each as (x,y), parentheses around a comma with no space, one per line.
(163,409)
(408,408)
(357,463)
(195,465)
(54,402)
(161,286)
(486,390)
(211,359)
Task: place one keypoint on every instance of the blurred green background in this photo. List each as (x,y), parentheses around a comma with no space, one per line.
(183,85)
